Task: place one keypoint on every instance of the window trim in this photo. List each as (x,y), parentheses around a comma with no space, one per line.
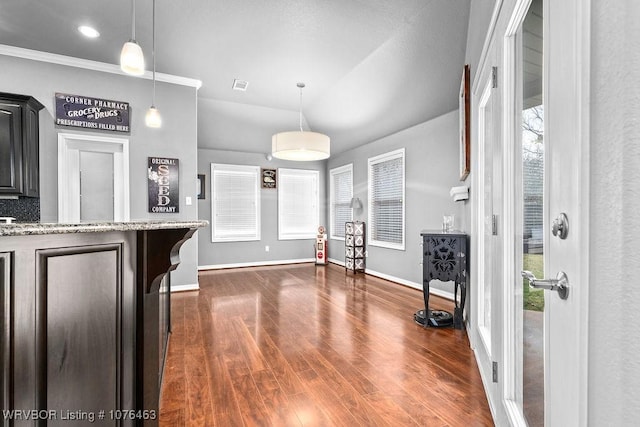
(400,153)
(312,234)
(332,173)
(245,168)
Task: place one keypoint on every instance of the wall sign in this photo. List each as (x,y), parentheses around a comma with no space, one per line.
(92,113)
(465,129)
(164,189)
(201,186)
(268,178)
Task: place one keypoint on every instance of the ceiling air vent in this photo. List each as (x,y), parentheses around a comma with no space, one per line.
(240,85)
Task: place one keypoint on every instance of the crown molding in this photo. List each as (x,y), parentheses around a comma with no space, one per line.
(71,61)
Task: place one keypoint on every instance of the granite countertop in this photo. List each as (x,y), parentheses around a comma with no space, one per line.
(35,228)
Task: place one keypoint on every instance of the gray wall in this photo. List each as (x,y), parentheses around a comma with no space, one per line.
(177,138)
(224,253)
(431,169)
(614,241)
(479,20)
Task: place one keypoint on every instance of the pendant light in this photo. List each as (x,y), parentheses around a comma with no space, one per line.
(153,119)
(300,145)
(131,57)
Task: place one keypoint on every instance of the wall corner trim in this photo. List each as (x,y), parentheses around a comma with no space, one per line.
(70,61)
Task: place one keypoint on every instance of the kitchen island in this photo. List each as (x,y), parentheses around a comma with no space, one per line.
(85,320)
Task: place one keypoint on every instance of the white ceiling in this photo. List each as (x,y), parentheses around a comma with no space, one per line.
(371,67)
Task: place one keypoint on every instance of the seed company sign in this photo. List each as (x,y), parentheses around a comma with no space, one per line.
(164,188)
(92,113)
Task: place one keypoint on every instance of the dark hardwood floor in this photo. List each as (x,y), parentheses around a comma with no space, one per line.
(302,345)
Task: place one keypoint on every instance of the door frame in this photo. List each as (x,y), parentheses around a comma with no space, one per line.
(484,356)
(571,21)
(69,147)
(486,346)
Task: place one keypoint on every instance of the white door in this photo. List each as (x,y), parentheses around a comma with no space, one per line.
(556,107)
(93,178)
(555,81)
(96,186)
(567,178)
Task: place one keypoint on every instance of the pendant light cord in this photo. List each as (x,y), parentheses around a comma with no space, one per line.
(133,20)
(301,86)
(153,52)
(300,109)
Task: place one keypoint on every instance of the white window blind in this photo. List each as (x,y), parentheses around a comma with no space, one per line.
(341,188)
(386,200)
(298,204)
(235,203)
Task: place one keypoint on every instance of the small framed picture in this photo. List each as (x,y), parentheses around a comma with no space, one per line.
(465,129)
(268,178)
(201,186)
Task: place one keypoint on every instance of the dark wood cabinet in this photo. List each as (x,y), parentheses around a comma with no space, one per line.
(84,321)
(445,258)
(19,145)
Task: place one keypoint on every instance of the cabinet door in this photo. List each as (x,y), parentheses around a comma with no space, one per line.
(80,346)
(10,148)
(30,152)
(6,373)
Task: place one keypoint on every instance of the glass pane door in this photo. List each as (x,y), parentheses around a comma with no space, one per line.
(486,118)
(533,245)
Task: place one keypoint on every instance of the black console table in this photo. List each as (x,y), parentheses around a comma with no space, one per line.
(444,257)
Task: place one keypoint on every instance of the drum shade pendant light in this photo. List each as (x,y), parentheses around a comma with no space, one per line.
(131,57)
(153,119)
(300,145)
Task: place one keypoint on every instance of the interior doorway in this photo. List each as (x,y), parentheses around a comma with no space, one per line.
(93,178)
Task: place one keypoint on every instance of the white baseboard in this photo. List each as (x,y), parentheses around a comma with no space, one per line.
(184,288)
(433,291)
(255,264)
(335,261)
(442,294)
(486,384)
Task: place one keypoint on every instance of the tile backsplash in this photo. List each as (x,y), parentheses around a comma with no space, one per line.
(23,209)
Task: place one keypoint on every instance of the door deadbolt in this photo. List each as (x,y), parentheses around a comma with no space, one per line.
(560,226)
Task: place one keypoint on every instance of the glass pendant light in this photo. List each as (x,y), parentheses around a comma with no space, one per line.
(131,57)
(153,118)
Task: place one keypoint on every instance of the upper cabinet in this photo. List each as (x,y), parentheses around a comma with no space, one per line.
(19,147)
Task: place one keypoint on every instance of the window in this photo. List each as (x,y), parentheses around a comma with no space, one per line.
(341,189)
(235,203)
(386,200)
(298,204)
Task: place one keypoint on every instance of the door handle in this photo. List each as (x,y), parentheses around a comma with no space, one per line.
(560,283)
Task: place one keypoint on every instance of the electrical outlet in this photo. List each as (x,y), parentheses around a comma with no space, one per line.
(188,201)
(366,254)
(266,248)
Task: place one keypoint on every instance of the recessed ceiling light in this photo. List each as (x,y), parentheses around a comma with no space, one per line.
(240,85)
(87,31)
